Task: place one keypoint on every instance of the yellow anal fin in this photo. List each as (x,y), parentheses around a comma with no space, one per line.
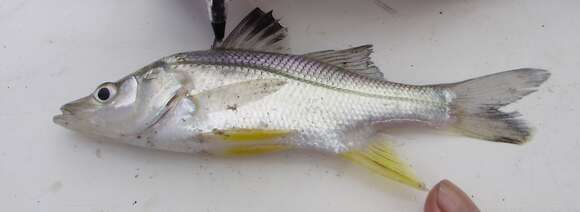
(251,150)
(380,158)
(248,135)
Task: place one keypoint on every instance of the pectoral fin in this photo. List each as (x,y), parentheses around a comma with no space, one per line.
(379,158)
(232,96)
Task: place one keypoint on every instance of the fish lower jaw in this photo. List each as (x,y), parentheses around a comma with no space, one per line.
(60,120)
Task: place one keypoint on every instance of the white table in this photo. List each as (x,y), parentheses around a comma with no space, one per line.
(54,51)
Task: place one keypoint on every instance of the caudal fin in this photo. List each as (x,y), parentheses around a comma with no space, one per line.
(477,102)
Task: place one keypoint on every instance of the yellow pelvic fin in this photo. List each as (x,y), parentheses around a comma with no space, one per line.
(251,150)
(380,158)
(246,142)
(248,135)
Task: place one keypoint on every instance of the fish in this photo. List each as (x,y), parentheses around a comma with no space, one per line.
(247,95)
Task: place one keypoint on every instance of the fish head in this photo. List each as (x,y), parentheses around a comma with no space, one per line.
(123,108)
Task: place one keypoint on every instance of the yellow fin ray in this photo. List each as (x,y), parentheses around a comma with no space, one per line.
(379,158)
(245,142)
(251,150)
(247,135)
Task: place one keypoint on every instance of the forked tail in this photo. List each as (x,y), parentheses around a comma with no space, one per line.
(477,101)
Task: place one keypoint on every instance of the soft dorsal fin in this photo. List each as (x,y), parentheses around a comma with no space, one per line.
(258,31)
(355,59)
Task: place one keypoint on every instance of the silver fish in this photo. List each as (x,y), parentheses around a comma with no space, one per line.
(245,96)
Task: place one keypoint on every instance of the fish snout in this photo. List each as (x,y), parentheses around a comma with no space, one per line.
(68,112)
(63,118)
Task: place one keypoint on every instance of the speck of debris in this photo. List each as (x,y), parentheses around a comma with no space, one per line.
(543,26)
(136,176)
(233,107)
(139,137)
(37,201)
(412,65)
(502,199)
(150,143)
(55,187)
(385,7)
(440,12)
(472,196)
(98,153)
(4,46)
(135,202)
(218,132)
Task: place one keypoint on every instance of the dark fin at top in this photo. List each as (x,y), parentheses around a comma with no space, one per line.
(218,17)
(355,59)
(258,31)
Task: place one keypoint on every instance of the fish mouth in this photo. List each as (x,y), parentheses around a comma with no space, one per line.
(63,119)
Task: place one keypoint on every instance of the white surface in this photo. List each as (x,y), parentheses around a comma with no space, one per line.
(55,51)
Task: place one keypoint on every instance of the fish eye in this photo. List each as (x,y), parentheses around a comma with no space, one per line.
(105,92)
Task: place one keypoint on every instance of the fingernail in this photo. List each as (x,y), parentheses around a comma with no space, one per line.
(451,199)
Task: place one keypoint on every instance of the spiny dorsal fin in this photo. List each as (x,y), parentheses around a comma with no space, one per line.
(258,31)
(355,59)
